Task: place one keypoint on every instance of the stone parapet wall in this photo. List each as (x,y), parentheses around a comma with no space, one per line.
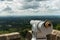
(55,35)
(10,36)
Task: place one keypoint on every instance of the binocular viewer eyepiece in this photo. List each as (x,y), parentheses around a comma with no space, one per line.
(47,24)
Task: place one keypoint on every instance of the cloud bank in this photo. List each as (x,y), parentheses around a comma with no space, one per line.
(29,7)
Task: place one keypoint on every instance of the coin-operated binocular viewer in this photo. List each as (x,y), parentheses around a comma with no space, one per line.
(40,29)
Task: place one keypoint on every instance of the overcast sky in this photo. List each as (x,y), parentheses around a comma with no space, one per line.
(29,7)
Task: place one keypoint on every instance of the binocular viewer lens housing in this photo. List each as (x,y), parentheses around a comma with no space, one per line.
(47,24)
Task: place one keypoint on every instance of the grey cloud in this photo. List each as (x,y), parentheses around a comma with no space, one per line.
(41,0)
(9,0)
(32,5)
(6,0)
(2,0)
(7,9)
(28,0)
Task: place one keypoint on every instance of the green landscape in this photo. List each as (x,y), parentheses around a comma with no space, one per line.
(22,24)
